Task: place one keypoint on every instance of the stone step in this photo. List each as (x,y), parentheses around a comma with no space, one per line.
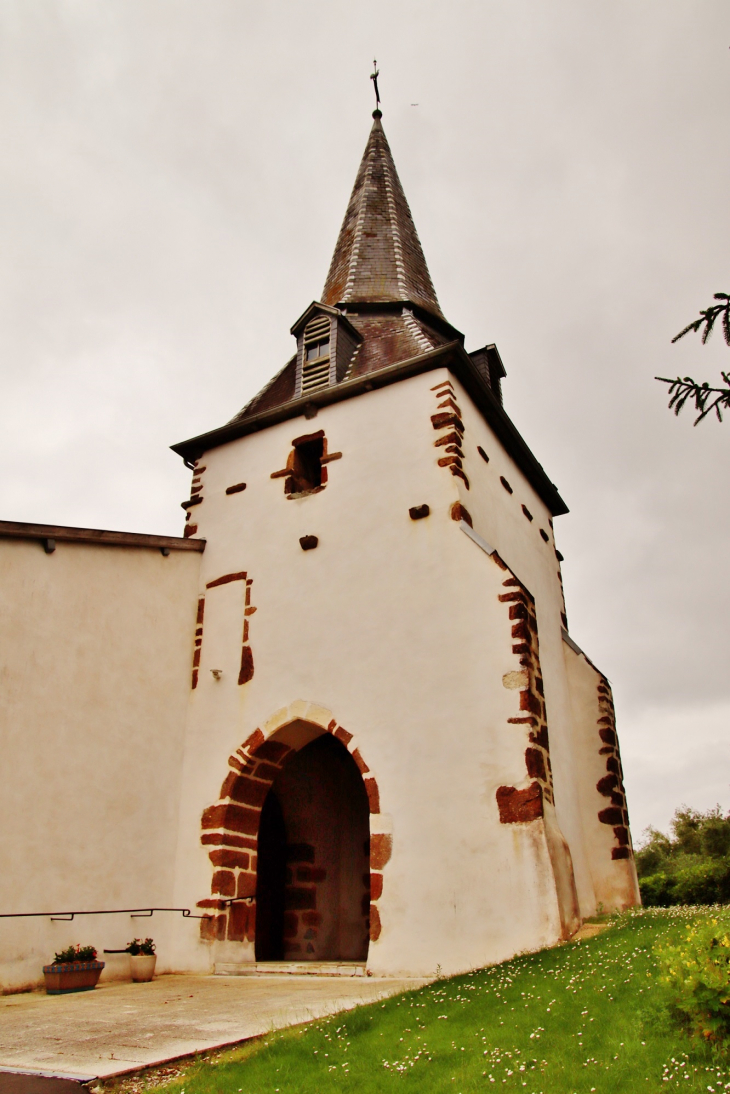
(290,968)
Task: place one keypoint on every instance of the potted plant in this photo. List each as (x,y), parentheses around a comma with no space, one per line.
(73,969)
(142,959)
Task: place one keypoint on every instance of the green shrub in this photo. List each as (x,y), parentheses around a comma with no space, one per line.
(141,946)
(75,953)
(688,880)
(694,979)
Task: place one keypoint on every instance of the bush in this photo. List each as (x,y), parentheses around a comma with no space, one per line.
(694,978)
(692,881)
(75,953)
(144,946)
(690,867)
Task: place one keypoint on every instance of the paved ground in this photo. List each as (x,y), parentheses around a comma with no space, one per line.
(122,1026)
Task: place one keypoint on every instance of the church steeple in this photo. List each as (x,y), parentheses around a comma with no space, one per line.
(378,258)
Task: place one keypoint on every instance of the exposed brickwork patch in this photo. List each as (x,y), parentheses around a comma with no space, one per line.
(532,712)
(448,416)
(519,806)
(611,785)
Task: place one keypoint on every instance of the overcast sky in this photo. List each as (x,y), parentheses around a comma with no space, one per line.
(172,180)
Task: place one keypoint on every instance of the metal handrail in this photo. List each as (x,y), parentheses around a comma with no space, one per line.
(135,913)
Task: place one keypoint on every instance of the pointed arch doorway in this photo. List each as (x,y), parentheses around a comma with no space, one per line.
(313,872)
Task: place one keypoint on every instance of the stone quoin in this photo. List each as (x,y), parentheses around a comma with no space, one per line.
(340,718)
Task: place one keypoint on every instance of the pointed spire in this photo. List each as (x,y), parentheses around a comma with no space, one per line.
(378,257)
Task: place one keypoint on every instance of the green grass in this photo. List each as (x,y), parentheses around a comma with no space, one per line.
(574,1019)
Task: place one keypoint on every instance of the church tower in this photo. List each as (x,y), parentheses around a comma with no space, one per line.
(396,757)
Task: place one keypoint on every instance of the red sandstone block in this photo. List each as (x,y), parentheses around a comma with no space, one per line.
(359,761)
(608,736)
(516,594)
(246,672)
(195,678)
(375,924)
(371,788)
(381,848)
(342,735)
(331,725)
(607,785)
(448,438)
(267,772)
(311,919)
(246,885)
(222,856)
(449,461)
(449,402)
(620,852)
(457,471)
(530,702)
(376,886)
(622,835)
(254,741)
(237,818)
(239,926)
(613,765)
(224,883)
(496,558)
(274,751)
(540,737)
(460,512)
(519,806)
(612,816)
(441,421)
(210,902)
(535,763)
(244,789)
(518,611)
(519,630)
(196,658)
(201,609)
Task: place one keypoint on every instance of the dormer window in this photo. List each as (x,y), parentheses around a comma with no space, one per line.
(316,363)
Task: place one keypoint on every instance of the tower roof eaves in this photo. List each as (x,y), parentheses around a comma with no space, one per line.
(452,356)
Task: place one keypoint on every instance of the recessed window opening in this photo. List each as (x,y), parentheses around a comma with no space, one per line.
(306,472)
(316,363)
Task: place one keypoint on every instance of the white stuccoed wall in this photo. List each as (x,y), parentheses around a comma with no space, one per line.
(394,627)
(95,655)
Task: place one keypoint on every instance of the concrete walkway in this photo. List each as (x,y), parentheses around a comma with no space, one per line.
(119,1027)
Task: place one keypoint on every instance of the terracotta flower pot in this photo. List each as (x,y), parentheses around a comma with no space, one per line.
(72,976)
(143,966)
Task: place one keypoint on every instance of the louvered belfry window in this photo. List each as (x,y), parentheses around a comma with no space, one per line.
(316,363)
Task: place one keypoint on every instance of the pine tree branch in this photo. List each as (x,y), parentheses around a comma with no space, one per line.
(684,389)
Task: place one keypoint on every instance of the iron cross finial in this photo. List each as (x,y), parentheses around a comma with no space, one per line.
(374,78)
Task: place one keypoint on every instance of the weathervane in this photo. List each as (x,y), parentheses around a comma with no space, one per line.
(374,78)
